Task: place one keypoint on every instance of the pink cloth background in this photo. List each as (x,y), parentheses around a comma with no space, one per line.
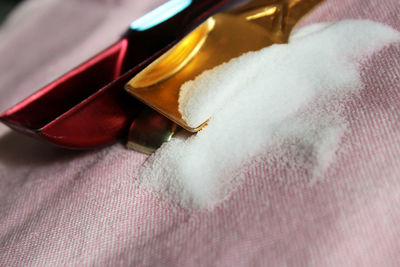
(66,208)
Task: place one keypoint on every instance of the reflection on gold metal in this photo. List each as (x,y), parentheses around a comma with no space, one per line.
(175,59)
(268,11)
(149,131)
(229,34)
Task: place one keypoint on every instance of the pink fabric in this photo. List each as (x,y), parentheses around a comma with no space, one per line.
(66,208)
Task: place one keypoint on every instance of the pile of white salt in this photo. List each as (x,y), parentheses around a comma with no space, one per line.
(278,95)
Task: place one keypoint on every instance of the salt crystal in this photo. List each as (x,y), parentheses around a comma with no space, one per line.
(259,100)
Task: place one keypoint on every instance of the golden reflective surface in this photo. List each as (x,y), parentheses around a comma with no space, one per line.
(226,35)
(175,59)
(149,131)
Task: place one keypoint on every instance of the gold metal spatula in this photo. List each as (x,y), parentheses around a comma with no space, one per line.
(226,35)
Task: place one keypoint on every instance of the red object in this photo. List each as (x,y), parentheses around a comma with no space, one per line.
(88,106)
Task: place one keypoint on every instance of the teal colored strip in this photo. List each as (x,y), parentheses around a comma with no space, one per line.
(160,14)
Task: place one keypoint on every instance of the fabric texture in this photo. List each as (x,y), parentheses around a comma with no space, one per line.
(69,208)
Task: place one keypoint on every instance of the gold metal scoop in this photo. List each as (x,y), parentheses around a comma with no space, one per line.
(226,35)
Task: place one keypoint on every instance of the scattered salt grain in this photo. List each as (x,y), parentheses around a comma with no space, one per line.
(260,100)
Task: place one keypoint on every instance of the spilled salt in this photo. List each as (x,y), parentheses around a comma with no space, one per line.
(257,103)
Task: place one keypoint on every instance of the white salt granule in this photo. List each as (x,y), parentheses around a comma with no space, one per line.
(258,101)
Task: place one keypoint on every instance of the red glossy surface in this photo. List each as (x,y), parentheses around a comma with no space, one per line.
(88,107)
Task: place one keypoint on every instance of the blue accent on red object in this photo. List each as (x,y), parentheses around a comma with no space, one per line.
(160,14)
